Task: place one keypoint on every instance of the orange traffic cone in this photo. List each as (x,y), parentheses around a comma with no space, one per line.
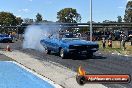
(8,48)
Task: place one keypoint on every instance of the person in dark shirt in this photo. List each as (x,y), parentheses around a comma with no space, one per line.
(103,42)
(123,40)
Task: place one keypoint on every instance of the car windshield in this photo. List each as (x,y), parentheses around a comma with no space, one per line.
(65,36)
(69,36)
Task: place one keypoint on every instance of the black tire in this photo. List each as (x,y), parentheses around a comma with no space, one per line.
(62,54)
(47,51)
(89,55)
(10,41)
(81,80)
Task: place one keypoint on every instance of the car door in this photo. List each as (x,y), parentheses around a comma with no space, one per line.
(49,44)
(55,44)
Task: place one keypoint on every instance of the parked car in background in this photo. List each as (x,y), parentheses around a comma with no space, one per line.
(67,44)
(4,38)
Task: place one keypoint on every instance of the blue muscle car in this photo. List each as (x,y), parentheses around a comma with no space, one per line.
(4,38)
(68,44)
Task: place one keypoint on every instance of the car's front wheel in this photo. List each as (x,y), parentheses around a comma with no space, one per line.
(89,55)
(62,54)
(47,51)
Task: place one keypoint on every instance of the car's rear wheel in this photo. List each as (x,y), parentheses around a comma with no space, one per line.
(62,54)
(47,51)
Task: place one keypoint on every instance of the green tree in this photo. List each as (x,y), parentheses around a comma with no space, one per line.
(119,19)
(128,12)
(39,18)
(7,19)
(68,15)
(19,20)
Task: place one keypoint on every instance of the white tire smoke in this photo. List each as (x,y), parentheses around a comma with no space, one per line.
(35,33)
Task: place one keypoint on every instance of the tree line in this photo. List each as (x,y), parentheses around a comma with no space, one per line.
(69,15)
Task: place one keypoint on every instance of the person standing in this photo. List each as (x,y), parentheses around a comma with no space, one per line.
(110,43)
(103,42)
(110,40)
(131,40)
(123,40)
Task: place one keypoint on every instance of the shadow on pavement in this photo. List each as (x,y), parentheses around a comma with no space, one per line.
(80,57)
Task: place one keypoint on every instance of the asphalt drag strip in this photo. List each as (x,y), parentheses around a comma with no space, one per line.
(101,63)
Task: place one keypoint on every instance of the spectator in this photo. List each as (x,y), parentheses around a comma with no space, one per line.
(14,35)
(110,40)
(103,42)
(10,35)
(123,40)
(110,43)
(131,40)
(110,36)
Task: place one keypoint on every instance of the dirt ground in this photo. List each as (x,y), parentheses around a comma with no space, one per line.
(116,47)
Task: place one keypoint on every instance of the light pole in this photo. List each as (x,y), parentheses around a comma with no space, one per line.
(91,31)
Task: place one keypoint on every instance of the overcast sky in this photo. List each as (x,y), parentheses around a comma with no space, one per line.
(102,9)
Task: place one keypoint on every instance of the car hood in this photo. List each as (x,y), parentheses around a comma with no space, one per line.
(79,42)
